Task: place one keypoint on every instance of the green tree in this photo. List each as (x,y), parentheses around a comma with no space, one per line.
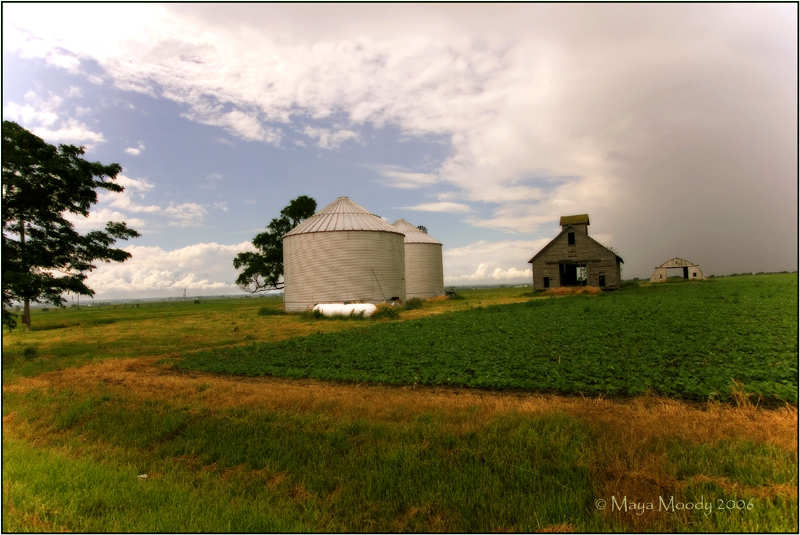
(262,270)
(43,256)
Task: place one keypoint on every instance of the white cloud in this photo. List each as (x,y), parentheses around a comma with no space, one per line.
(485,262)
(328,138)
(140,185)
(396,177)
(482,276)
(640,103)
(211,181)
(71,131)
(448,207)
(97,219)
(186,214)
(239,123)
(41,111)
(129,201)
(27,114)
(204,268)
(42,116)
(135,151)
(74,92)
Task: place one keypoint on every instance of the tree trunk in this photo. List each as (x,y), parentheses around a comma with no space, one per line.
(26,310)
(26,313)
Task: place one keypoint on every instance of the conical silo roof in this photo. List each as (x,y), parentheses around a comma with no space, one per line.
(342,214)
(412,233)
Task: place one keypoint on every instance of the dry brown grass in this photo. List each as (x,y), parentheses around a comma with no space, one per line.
(574,290)
(558,528)
(32,523)
(629,457)
(634,420)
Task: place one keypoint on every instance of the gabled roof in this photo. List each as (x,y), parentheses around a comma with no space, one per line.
(570,228)
(412,233)
(580,219)
(677,262)
(342,214)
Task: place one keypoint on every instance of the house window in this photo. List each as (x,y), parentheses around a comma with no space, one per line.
(602,281)
(694,274)
(570,238)
(547,282)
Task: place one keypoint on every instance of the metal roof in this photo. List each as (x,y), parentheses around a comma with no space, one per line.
(412,233)
(580,219)
(342,214)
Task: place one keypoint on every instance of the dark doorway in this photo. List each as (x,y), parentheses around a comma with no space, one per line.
(685,272)
(572,274)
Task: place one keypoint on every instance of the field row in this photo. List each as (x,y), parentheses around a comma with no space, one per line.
(702,341)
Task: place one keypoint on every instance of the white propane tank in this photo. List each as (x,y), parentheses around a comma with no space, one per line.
(340,309)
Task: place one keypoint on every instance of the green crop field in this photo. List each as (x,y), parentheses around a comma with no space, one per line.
(696,341)
(666,407)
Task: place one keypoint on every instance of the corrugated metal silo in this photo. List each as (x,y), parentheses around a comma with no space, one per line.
(424,278)
(342,253)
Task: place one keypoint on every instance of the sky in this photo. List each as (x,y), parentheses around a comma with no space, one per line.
(674,126)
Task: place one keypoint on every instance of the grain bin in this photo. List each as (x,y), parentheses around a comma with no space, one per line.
(342,253)
(424,277)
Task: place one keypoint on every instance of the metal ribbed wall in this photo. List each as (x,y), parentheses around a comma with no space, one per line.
(336,262)
(424,274)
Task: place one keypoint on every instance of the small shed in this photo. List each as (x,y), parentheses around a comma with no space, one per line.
(424,274)
(689,270)
(573,258)
(342,253)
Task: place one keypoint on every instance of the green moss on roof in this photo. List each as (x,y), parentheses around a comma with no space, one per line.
(580,219)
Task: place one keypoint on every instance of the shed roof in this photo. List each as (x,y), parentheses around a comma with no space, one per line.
(579,219)
(677,262)
(413,234)
(342,214)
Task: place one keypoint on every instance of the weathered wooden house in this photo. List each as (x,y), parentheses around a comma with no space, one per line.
(573,258)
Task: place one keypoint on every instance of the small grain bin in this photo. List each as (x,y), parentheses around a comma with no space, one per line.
(342,253)
(424,278)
